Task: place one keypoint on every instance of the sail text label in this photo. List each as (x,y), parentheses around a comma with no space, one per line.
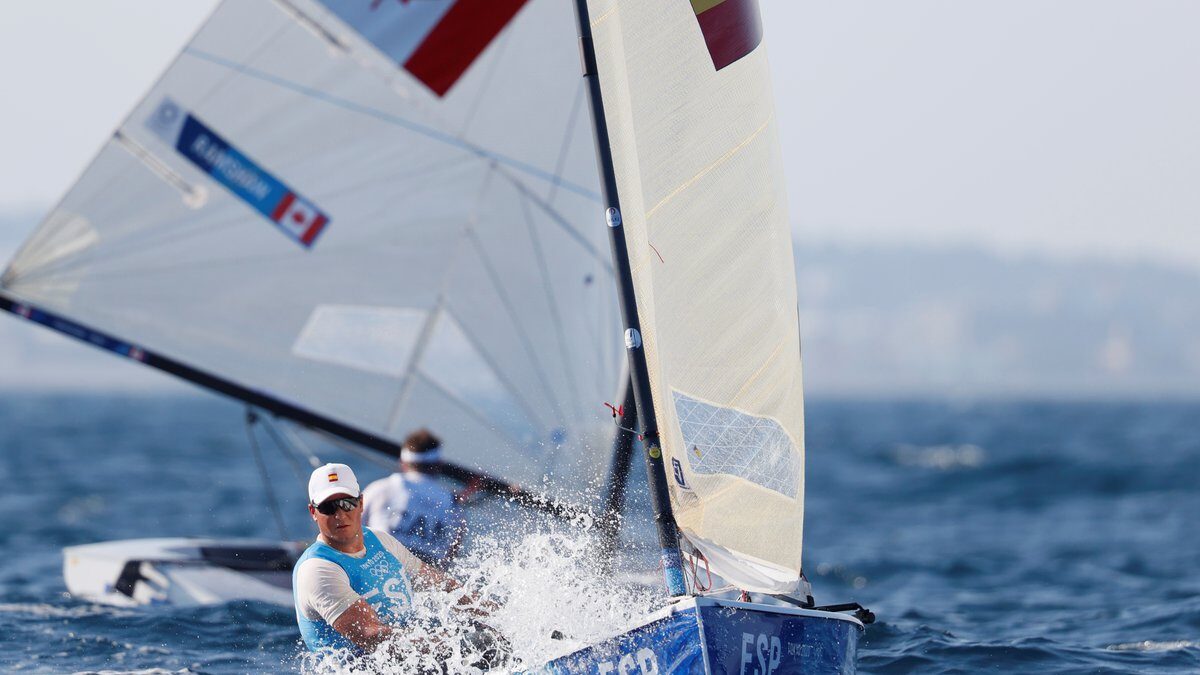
(219,159)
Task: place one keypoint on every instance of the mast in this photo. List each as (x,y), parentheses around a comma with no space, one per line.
(664,519)
(618,474)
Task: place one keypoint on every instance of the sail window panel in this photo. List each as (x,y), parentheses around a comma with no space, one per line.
(726,441)
(452,362)
(373,339)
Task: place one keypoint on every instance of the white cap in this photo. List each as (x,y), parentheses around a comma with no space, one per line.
(329,480)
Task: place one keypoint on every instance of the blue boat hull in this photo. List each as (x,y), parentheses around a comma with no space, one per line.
(709,637)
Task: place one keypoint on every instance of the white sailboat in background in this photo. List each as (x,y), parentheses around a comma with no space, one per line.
(368,215)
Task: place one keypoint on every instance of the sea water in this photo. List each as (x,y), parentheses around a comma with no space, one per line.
(1033,537)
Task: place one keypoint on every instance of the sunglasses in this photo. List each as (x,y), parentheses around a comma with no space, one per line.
(345,503)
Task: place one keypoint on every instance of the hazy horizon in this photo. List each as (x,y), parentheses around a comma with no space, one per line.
(913,320)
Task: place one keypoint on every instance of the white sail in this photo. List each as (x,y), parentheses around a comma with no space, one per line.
(315,205)
(688,105)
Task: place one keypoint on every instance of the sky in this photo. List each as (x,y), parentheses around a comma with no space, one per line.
(1063,128)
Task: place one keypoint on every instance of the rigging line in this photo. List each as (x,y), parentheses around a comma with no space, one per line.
(262,469)
(280,424)
(511,310)
(254,54)
(555,316)
(527,407)
(500,50)
(418,353)
(427,131)
(572,120)
(443,288)
(474,413)
(290,453)
(465,239)
(561,221)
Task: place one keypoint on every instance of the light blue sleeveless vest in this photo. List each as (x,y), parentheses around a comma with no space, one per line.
(377,576)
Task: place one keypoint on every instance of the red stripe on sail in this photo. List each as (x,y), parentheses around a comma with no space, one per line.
(458,39)
(283,206)
(731,29)
(313,230)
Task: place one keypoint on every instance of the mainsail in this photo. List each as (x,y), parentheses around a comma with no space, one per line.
(369,214)
(692,129)
(375,214)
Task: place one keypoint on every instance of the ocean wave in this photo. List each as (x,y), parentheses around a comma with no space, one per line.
(1154,646)
(148,671)
(48,611)
(941,457)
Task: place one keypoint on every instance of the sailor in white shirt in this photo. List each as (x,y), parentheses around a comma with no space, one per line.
(353,586)
(414,506)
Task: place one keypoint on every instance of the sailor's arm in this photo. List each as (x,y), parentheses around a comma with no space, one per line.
(323,590)
(361,625)
(428,577)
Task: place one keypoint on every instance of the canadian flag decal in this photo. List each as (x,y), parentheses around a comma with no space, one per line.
(299,218)
(434,40)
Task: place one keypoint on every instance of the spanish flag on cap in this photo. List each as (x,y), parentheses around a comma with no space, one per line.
(332,479)
(732,28)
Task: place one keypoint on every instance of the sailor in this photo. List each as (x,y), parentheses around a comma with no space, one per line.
(414,505)
(353,587)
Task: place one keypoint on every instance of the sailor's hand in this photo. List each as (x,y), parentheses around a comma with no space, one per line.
(487,649)
(476,604)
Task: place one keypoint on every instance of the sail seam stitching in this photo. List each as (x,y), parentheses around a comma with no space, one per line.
(395,120)
(709,169)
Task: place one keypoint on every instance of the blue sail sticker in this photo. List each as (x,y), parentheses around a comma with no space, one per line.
(680,479)
(297,217)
